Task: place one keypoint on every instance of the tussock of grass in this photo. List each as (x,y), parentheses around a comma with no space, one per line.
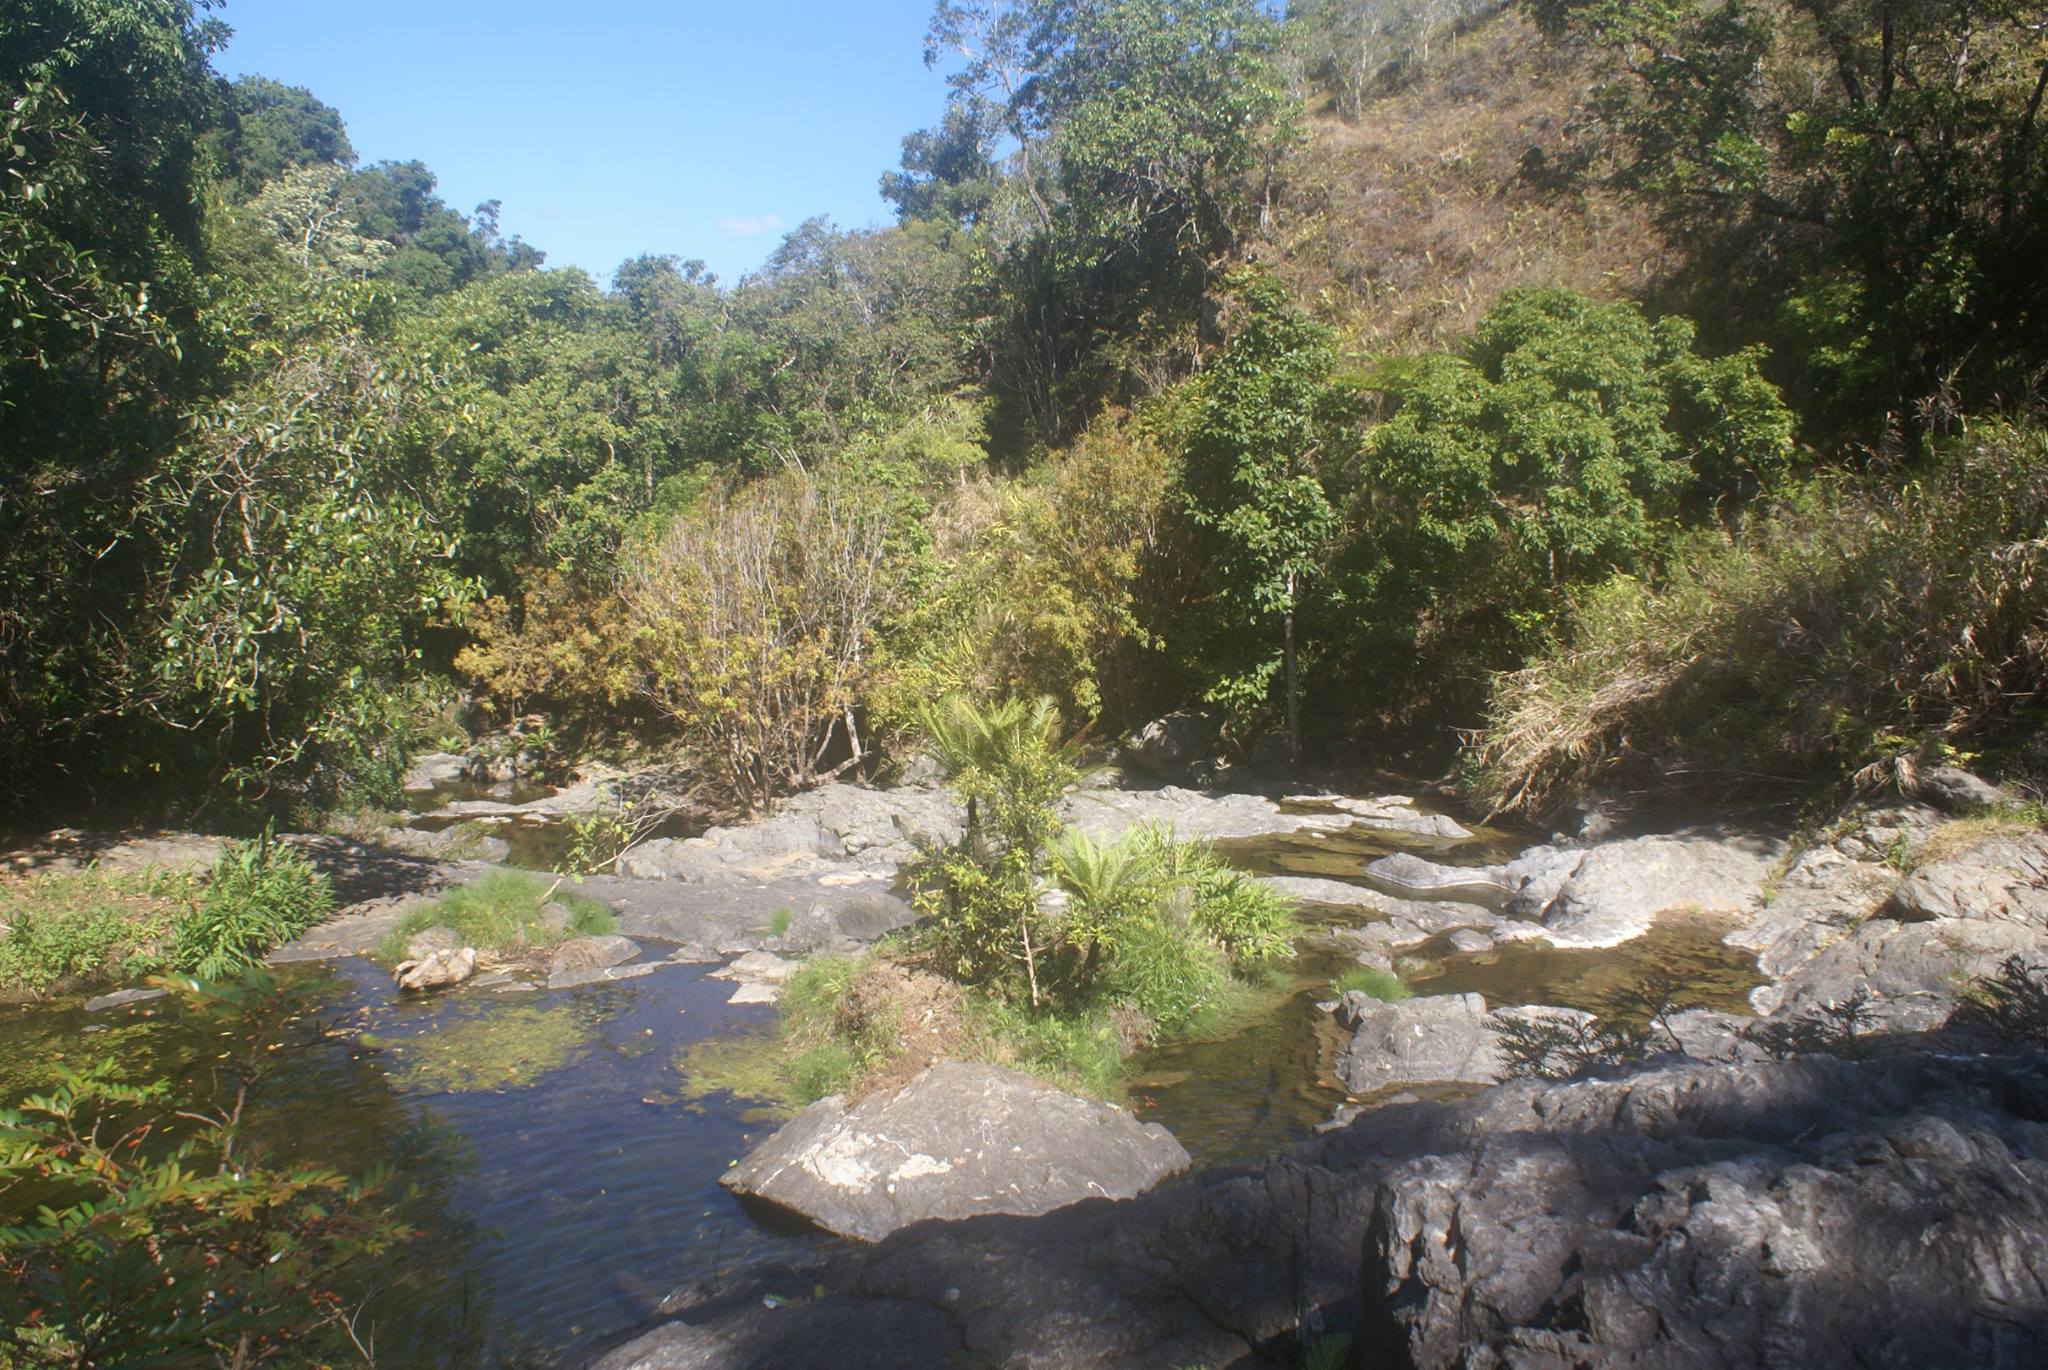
(499,911)
(1382,985)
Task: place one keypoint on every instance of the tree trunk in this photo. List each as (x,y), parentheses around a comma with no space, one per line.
(1293,687)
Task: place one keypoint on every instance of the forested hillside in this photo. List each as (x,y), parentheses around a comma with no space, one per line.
(1649,386)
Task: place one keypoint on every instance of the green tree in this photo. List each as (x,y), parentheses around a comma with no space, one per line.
(1878,166)
(272,128)
(1564,446)
(1261,432)
(1010,764)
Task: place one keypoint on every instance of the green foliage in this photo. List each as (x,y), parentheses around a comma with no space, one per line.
(1263,429)
(1075,1050)
(1848,624)
(258,895)
(88,925)
(1886,152)
(840,1022)
(1562,448)
(1379,984)
(1179,981)
(163,1234)
(1007,761)
(501,910)
(1049,584)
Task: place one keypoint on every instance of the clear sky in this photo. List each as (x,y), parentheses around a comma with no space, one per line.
(610,128)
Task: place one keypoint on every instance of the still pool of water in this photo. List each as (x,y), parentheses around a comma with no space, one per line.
(565,1206)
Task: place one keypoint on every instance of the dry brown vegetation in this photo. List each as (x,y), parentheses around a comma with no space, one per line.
(1401,227)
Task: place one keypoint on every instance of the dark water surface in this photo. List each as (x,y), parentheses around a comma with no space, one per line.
(564,1207)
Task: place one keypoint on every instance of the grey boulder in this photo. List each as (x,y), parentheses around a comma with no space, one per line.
(592,953)
(2003,880)
(959,1141)
(1168,747)
(1445,1039)
(1620,888)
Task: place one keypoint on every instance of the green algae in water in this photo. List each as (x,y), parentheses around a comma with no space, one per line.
(745,1066)
(508,1047)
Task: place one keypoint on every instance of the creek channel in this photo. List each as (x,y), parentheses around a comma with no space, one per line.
(568,1181)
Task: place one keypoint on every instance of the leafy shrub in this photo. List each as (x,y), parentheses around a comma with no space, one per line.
(199,1252)
(498,911)
(1848,624)
(1179,981)
(1561,447)
(564,648)
(258,895)
(1047,584)
(1008,763)
(86,925)
(757,617)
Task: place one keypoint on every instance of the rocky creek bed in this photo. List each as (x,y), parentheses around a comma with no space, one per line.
(1521,1225)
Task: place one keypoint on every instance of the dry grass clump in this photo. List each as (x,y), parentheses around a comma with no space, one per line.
(1849,624)
(1402,227)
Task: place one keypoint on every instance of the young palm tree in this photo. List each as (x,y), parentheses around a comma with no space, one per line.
(1010,754)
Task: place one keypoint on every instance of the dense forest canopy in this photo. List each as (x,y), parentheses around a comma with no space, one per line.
(1147,400)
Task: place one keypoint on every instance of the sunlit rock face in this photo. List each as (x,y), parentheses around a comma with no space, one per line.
(959,1141)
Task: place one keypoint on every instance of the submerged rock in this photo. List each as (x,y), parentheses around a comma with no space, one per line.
(121,998)
(958,1141)
(436,970)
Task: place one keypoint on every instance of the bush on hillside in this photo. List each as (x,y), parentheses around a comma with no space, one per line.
(1565,444)
(1848,625)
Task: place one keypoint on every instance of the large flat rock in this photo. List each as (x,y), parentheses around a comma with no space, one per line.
(959,1141)
(1619,889)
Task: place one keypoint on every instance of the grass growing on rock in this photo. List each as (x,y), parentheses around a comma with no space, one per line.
(1958,835)
(1379,984)
(501,911)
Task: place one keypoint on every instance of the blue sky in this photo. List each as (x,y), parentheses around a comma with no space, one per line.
(610,128)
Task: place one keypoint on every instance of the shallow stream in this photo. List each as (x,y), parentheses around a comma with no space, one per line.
(570,1185)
